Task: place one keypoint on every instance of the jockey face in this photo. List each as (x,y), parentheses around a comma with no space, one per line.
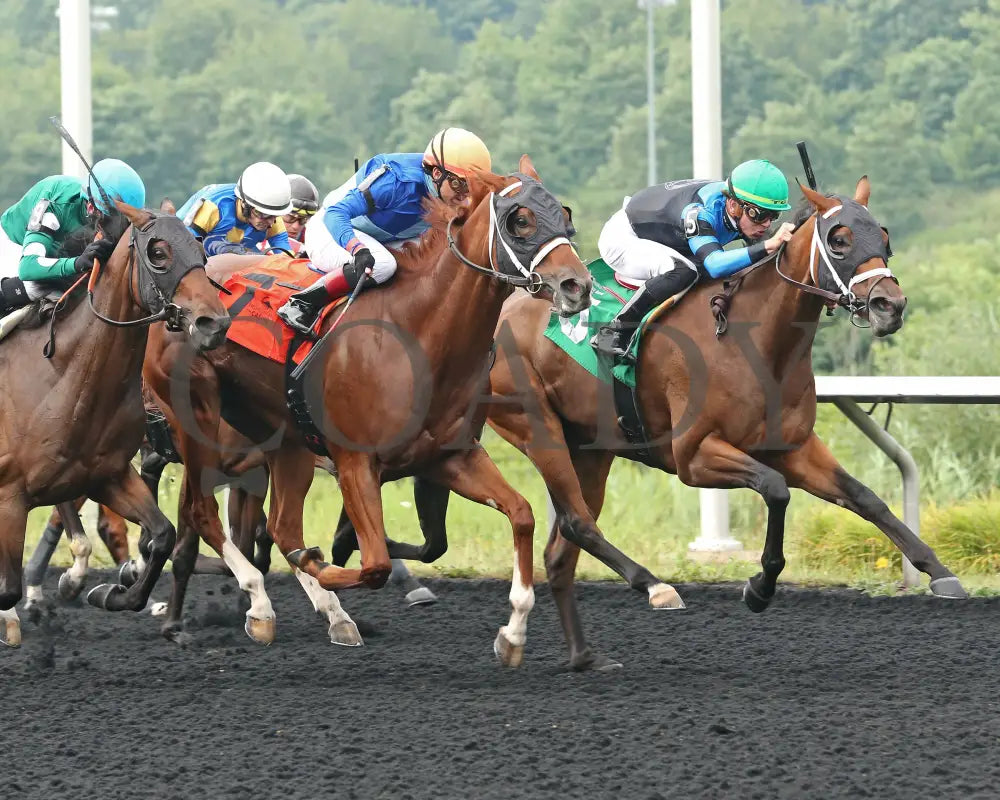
(295,224)
(453,188)
(259,221)
(751,221)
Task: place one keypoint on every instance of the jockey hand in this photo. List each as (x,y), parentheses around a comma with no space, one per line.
(783,234)
(100,249)
(363,260)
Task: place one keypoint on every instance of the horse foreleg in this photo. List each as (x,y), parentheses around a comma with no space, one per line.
(13,519)
(814,469)
(472,474)
(291,476)
(72,580)
(130,498)
(718,465)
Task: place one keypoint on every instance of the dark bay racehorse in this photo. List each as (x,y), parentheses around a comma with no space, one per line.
(70,424)
(399,385)
(728,412)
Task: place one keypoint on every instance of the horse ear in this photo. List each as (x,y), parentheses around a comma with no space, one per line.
(137,216)
(863,190)
(525,167)
(167,206)
(821,203)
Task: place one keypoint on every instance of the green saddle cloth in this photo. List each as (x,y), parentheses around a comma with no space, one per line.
(573,334)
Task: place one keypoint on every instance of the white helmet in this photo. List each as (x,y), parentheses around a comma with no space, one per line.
(265,187)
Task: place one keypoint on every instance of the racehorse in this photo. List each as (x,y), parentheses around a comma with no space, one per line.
(72,421)
(399,388)
(727,411)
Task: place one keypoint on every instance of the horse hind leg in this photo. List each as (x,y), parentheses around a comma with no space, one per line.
(38,564)
(71,582)
(473,475)
(342,629)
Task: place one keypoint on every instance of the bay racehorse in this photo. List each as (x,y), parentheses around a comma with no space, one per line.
(71,422)
(727,411)
(396,392)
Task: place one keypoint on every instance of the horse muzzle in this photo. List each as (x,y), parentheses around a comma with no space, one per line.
(570,295)
(885,314)
(208,333)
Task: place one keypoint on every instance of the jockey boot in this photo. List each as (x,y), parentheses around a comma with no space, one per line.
(614,339)
(302,308)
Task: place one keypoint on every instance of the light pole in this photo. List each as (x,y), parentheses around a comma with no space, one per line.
(649,5)
(74,59)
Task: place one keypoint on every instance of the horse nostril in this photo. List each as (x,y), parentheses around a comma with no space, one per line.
(211,327)
(571,287)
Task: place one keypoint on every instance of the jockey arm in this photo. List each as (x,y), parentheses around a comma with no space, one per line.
(707,249)
(277,236)
(380,193)
(37,265)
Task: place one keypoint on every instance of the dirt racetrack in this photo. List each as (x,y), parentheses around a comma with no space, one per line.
(828,694)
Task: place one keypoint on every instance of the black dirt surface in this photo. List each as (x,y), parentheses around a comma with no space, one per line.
(828,694)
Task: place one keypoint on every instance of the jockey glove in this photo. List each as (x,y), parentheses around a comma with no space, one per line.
(363,260)
(100,249)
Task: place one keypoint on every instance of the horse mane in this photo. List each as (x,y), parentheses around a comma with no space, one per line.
(112,226)
(417,254)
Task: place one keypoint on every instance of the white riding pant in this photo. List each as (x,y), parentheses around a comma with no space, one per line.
(636,260)
(326,253)
(10,263)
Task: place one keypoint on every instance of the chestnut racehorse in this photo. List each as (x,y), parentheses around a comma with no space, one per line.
(70,423)
(395,393)
(730,411)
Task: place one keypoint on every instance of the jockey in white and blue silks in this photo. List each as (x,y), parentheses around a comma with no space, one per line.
(667,237)
(236,217)
(377,209)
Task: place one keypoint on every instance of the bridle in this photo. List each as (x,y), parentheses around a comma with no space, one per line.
(525,276)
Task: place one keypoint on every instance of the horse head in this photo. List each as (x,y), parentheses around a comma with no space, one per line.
(526,235)
(166,273)
(848,256)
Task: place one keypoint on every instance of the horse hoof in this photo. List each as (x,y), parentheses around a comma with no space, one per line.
(102,596)
(948,588)
(10,633)
(260,630)
(128,573)
(174,632)
(594,662)
(421,596)
(155,609)
(664,597)
(754,601)
(346,634)
(508,654)
(69,587)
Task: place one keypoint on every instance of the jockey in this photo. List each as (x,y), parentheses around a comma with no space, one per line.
(33,230)
(305,204)
(236,217)
(379,207)
(670,235)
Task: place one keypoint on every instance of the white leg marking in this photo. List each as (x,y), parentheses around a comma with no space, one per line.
(81,549)
(250,581)
(522,600)
(325,602)
(34,594)
(10,628)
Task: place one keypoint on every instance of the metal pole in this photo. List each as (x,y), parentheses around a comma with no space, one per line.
(650,98)
(706,156)
(907,466)
(74,63)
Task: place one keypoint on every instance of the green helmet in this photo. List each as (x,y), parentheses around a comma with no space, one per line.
(760,183)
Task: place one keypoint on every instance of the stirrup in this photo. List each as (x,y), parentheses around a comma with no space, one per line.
(287,314)
(611,341)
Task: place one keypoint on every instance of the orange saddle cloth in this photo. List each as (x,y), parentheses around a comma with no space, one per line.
(257,294)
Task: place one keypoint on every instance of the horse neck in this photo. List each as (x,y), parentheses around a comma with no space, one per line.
(116,352)
(455,309)
(787,328)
